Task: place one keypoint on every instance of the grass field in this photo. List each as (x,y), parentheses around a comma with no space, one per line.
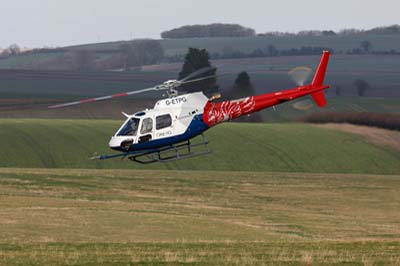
(131,217)
(246,147)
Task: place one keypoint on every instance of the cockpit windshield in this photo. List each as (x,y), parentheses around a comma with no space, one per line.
(130,127)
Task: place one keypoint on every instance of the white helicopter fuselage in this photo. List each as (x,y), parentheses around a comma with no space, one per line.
(170,121)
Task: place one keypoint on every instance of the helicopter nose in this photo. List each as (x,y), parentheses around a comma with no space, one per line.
(120,143)
(114,143)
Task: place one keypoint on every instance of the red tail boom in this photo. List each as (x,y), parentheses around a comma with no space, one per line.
(227,110)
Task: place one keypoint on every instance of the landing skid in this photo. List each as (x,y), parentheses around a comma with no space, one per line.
(174,152)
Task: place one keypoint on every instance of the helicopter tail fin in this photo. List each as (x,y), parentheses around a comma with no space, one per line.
(319,76)
(318,80)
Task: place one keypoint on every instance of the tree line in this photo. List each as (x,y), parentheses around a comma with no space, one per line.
(211,30)
(236,30)
(392,29)
(228,52)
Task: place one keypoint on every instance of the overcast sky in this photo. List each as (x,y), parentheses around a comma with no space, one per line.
(38,23)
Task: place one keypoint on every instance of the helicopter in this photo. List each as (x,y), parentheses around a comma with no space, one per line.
(166,132)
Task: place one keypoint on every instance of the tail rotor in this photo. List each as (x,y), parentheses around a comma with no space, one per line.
(300,75)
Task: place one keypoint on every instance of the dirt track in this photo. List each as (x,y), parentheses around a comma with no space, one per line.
(374,135)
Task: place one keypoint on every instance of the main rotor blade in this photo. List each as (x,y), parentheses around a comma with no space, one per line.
(199,72)
(113,96)
(156,88)
(199,79)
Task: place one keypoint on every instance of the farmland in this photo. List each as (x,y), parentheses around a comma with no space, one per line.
(57,59)
(28,93)
(117,217)
(37,108)
(268,73)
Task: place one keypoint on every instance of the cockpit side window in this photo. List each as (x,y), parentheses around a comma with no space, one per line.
(163,121)
(147,126)
(130,128)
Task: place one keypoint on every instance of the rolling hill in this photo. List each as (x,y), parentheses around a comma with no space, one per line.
(256,147)
(53,59)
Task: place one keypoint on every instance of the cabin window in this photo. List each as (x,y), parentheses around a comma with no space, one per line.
(130,127)
(147,126)
(163,121)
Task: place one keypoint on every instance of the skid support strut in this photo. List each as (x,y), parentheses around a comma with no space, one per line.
(174,152)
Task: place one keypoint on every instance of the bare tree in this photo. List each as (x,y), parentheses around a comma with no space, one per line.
(362,86)
(14,49)
(141,52)
(5,53)
(272,50)
(128,55)
(11,50)
(83,60)
(366,46)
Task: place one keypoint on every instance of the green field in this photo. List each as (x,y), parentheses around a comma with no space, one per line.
(245,147)
(132,217)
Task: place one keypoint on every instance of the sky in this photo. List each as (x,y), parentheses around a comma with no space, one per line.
(55,23)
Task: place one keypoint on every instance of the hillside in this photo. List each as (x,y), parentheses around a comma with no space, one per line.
(55,59)
(381,42)
(244,147)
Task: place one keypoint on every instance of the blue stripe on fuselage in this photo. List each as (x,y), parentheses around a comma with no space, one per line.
(196,127)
